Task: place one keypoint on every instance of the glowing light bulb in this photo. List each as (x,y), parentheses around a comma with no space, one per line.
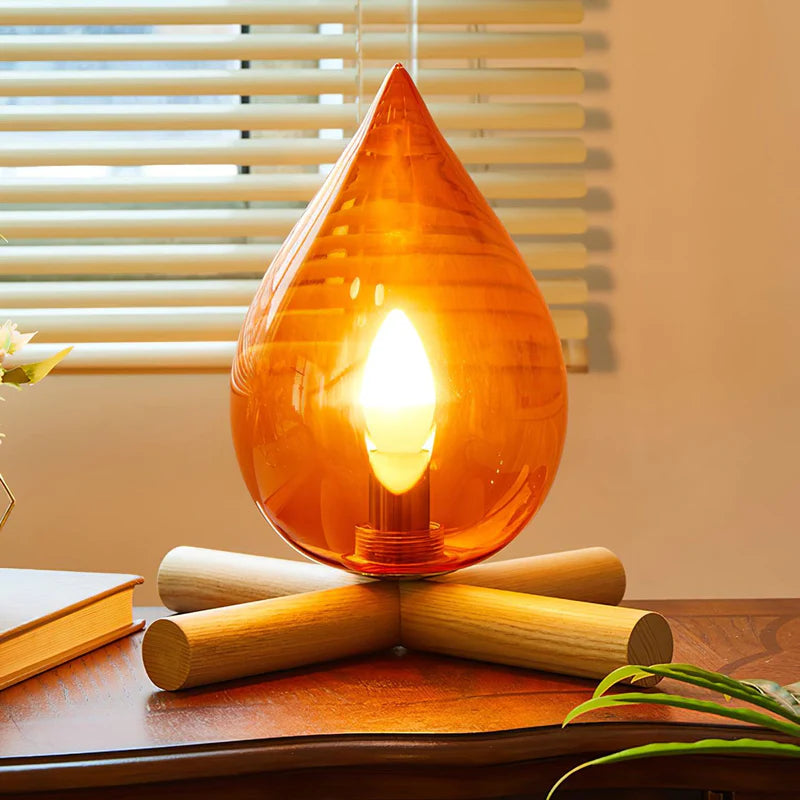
(398,397)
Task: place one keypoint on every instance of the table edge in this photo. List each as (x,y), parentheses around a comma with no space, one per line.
(206,760)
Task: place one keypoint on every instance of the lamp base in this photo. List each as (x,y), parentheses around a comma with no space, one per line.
(457,619)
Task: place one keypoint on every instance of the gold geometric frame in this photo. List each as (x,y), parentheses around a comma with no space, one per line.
(11,502)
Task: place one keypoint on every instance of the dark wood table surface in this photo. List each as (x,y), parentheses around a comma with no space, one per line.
(387,726)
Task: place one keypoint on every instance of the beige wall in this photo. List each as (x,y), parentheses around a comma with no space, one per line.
(682,457)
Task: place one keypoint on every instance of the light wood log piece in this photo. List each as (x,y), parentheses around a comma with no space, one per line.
(267,635)
(592,575)
(195,578)
(551,634)
(546,633)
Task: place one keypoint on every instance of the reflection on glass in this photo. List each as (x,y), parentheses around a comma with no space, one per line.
(422,317)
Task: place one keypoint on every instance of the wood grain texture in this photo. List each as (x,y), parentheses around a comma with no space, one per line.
(546,633)
(591,574)
(383,726)
(196,578)
(267,635)
(552,634)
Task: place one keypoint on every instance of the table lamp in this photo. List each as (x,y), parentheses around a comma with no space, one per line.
(398,411)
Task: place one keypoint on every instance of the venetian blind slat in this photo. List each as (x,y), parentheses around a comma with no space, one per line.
(185,323)
(210,223)
(128,357)
(144,356)
(524,184)
(67,83)
(219,292)
(209,259)
(284,46)
(280,116)
(277,12)
(282,152)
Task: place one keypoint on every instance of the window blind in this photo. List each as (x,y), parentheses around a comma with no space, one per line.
(153,155)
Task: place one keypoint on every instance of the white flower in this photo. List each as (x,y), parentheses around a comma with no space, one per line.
(11,340)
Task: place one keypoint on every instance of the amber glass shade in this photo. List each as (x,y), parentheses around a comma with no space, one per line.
(398,393)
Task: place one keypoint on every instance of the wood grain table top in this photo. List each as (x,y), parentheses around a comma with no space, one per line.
(98,721)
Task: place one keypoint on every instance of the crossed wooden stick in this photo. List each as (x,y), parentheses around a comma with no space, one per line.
(245,615)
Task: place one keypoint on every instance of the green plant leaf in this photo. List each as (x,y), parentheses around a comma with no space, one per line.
(742,689)
(690,703)
(33,373)
(630,672)
(715,681)
(692,671)
(780,694)
(725,747)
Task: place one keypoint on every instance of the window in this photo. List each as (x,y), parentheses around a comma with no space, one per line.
(154,155)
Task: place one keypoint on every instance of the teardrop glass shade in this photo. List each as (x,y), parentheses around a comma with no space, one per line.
(398,392)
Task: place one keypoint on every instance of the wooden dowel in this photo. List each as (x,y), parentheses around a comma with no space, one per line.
(546,633)
(237,641)
(194,578)
(593,574)
(565,636)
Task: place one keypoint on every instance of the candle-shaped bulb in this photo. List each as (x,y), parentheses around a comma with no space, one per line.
(398,398)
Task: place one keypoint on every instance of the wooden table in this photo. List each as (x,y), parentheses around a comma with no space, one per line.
(387,726)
